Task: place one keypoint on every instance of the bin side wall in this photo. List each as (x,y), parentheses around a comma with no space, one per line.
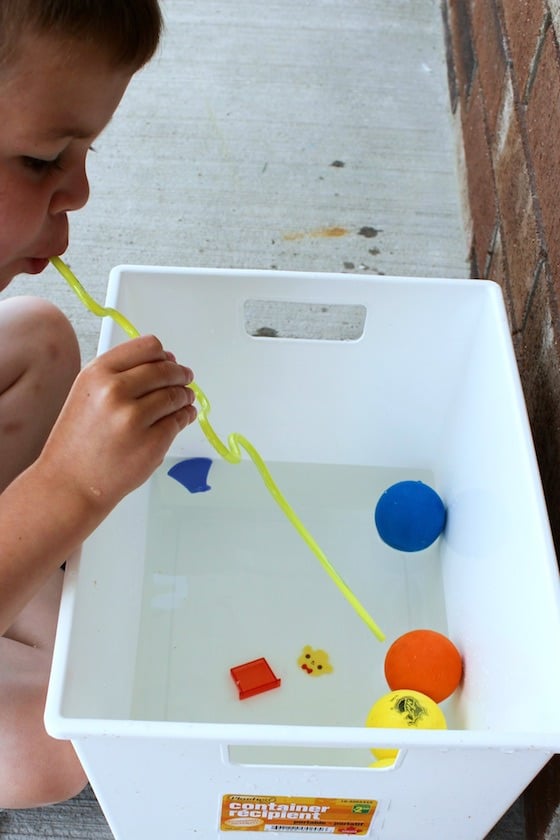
(432,793)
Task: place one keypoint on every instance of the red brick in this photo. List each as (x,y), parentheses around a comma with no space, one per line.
(523,21)
(543,131)
(490,54)
(516,208)
(480,178)
(449,58)
(540,358)
(462,46)
(539,368)
(541,801)
(554,6)
(498,272)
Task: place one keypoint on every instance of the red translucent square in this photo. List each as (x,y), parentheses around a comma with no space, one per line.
(254,677)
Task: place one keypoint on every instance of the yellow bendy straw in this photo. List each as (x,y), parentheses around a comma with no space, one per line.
(231,452)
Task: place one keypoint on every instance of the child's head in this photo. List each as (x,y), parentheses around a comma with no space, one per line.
(64,67)
(127,30)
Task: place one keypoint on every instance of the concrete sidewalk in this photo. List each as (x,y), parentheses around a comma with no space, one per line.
(301,135)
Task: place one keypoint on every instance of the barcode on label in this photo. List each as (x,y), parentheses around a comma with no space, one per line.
(325,829)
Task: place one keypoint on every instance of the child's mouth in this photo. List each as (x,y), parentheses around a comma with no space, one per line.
(36,265)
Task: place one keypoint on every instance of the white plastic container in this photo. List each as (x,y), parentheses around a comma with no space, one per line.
(176,588)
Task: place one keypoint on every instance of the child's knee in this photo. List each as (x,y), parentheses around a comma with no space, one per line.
(68,779)
(58,777)
(56,335)
(36,337)
(40,360)
(35,769)
(51,776)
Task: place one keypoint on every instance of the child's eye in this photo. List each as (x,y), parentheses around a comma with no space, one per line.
(41,166)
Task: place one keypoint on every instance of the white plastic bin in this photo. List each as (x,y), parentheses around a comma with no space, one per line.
(344,384)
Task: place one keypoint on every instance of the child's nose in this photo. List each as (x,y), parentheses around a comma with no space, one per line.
(72,192)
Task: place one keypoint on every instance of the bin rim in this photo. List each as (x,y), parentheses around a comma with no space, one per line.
(481,286)
(292,735)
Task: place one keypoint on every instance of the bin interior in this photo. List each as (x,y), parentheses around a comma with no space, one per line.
(176,588)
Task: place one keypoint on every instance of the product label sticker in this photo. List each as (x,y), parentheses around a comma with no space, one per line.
(350,817)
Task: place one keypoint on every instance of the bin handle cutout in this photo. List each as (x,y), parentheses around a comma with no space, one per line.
(302,320)
(231,452)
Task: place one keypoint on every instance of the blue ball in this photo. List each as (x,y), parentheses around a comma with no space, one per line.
(410,516)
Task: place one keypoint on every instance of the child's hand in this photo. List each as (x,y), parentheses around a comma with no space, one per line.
(119,420)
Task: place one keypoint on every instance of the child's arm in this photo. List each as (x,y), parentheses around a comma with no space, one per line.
(118,422)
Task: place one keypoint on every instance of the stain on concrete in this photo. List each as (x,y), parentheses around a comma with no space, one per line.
(368,232)
(317,233)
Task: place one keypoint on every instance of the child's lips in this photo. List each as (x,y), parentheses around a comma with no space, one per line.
(36,265)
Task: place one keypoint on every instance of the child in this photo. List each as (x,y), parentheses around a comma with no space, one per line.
(72,443)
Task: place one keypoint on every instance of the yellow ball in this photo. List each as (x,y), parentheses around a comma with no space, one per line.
(384,757)
(404,709)
(384,754)
(383,762)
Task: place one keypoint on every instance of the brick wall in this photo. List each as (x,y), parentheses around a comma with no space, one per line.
(504,84)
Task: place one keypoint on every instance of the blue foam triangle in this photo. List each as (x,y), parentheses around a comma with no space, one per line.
(192,474)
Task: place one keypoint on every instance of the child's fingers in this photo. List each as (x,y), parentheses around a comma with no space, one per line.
(137,351)
(163,402)
(143,379)
(172,423)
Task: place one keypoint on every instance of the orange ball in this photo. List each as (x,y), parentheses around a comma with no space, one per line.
(425,661)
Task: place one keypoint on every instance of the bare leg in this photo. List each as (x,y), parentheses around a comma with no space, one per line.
(35,769)
(39,359)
